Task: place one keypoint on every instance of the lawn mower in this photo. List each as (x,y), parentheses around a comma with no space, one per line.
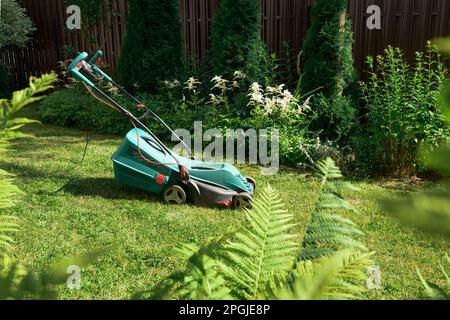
(146,163)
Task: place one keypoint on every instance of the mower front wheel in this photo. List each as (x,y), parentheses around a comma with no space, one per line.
(252,182)
(242,201)
(174,195)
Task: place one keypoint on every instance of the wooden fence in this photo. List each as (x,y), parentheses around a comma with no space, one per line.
(405,23)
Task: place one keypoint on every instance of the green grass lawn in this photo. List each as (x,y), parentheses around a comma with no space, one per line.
(93,212)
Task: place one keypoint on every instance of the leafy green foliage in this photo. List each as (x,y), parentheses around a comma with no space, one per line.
(15,281)
(256,261)
(339,276)
(236,42)
(18,283)
(9,126)
(328,231)
(261,250)
(203,281)
(75,107)
(15,25)
(92,11)
(403,110)
(200,280)
(151,52)
(8,224)
(327,51)
(429,211)
(432,290)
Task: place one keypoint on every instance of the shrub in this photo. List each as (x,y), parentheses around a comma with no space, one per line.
(15,25)
(403,111)
(236,42)
(327,50)
(151,52)
(15,29)
(75,107)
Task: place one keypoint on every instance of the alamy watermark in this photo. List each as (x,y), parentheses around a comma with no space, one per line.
(374,20)
(74,280)
(374,277)
(73,21)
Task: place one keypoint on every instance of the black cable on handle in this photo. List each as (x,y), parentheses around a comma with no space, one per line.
(153,114)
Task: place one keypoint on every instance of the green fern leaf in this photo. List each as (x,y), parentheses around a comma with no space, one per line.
(340,276)
(327,231)
(260,250)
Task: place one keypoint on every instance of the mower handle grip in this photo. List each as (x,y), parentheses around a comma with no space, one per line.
(94,63)
(75,67)
(96,58)
(81,57)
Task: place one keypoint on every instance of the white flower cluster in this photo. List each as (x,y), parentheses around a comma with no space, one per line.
(191,84)
(275,98)
(172,84)
(220,83)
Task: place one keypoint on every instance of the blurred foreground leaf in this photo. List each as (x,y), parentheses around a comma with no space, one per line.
(429,211)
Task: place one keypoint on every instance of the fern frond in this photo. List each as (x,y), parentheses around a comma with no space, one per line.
(328,170)
(199,280)
(16,282)
(8,226)
(203,281)
(433,291)
(260,250)
(339,277)
(327,231)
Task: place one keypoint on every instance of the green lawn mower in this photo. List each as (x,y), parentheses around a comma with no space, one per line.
(144,162)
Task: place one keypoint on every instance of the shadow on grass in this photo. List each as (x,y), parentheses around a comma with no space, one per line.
(106,188)
(29,172)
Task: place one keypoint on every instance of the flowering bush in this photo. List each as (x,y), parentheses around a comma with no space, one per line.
(276,106)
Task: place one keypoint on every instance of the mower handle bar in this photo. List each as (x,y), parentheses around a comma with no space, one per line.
(91,67)
(77,64)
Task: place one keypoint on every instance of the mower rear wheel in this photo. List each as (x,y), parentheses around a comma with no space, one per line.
(242,201)
(252,182)
(174,195)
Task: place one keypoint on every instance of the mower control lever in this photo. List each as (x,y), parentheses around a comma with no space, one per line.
(75,67)
(95,62)
(97,58)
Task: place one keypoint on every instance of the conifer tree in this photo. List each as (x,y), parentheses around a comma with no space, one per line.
(236,42)
(328,68)
(151,52)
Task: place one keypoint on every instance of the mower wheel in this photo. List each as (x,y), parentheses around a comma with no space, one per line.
(242,201)
(252,182)
(174,195)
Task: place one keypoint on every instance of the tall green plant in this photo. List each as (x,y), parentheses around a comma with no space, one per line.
(403,110)
(236,42)
(151,52)
(327,51)
(430,210)
(10,125)
(263,260)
